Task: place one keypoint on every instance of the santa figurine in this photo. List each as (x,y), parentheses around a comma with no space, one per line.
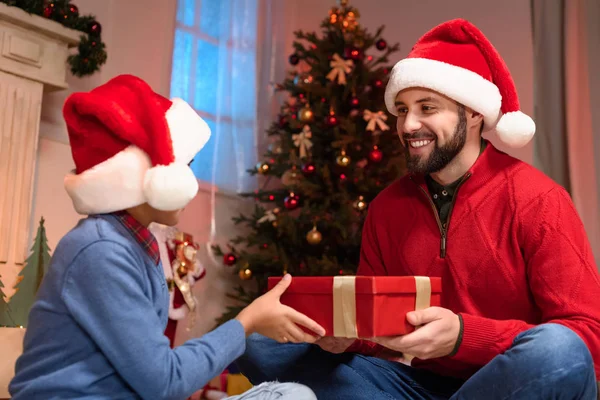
(178,255)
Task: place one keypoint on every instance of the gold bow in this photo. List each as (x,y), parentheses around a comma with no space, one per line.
(269,216)
(302,140)
(340,68)
(376,119)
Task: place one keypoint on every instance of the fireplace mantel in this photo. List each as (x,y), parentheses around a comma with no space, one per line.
(33,60)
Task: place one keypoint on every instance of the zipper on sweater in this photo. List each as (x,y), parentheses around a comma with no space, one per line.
(443,229)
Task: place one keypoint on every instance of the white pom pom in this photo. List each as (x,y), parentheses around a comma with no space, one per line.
(170,187)
(515,129)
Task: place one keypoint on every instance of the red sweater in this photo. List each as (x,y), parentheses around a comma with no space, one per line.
(516,255)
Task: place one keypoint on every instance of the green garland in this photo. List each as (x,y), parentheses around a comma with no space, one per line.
(91,51)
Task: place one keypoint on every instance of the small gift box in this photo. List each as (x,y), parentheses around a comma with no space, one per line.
(361,306)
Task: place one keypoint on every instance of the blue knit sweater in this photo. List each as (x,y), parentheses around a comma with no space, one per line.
(96,328)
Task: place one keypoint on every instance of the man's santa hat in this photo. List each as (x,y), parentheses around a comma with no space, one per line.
(456,60)
(131,146)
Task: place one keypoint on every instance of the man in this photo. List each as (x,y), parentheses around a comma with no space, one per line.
(520,315)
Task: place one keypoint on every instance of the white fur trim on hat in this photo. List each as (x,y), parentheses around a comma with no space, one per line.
(127,179)
(115,184)
(189,132)
(465,87)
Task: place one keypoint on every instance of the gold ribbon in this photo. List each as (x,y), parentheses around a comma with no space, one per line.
(340,68)
(302,140)
(375,119)
(422,301)
(186,290)
(344,307)
(269,216)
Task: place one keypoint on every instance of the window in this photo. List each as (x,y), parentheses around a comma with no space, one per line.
(214,70)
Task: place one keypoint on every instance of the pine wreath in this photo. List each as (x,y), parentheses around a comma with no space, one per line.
(91,50)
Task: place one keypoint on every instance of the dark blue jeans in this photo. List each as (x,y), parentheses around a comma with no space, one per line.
(547,362)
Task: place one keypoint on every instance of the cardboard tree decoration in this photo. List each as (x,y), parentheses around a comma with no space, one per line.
(28,281)
(3,302)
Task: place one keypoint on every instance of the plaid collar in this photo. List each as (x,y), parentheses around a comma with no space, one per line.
(142,235)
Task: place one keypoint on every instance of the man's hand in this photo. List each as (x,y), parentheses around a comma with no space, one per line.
(435,338)
(334,345)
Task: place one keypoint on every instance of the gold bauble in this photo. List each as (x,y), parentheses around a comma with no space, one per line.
(276,212)
(342,159)
(314,236)
(263,168)
(275,148)
(182,269)
(290,177)
(245,274)
(306,114)
(360,204)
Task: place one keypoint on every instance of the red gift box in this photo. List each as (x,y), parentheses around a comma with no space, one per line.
(361,306)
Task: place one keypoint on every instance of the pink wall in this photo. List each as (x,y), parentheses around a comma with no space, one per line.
(139,36)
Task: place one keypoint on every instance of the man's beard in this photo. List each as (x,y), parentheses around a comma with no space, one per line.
(440,156)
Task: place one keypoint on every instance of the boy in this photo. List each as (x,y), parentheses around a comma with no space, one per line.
(96,328)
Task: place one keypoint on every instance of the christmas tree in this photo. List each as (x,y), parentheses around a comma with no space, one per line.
(334,148)
(29,280)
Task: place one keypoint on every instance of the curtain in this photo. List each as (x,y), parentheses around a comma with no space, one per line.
(567,146)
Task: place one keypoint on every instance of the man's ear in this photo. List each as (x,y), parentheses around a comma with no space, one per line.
(475,118)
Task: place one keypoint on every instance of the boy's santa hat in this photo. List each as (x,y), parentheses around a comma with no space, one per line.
(131,146)
(456,60)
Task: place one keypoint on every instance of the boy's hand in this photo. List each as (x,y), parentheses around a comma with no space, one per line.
(268,317)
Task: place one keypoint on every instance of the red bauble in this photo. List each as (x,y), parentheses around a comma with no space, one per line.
(282,122)
(94,28)
(376,155)
(343,177)
(332,120)
(354,102)
(294,59)
(73,11)
(292,201)
(309,169)
(378,83)
(353,53)
(49,10)
(381,44)
(229,259)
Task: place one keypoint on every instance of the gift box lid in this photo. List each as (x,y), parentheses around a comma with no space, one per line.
(363,284)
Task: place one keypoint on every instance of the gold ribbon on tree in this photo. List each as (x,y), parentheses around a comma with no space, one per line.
(302,141)
(376,120)
(340,68)
(186,290)
(269,216)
